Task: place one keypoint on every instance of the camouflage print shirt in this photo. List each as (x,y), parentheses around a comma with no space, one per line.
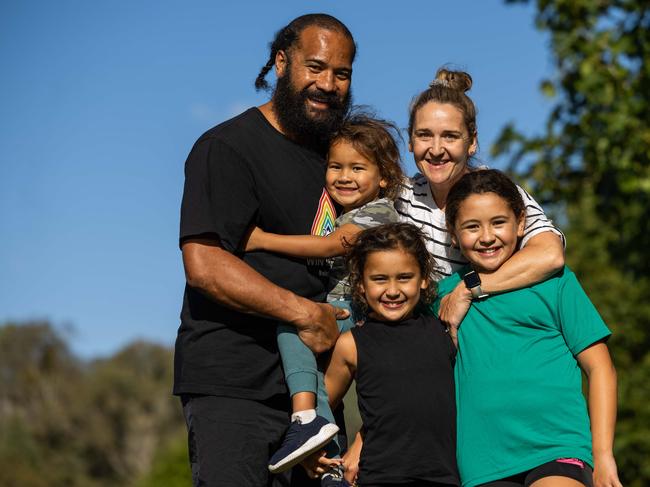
(375,213)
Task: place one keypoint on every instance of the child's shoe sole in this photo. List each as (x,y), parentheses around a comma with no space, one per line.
(324,436)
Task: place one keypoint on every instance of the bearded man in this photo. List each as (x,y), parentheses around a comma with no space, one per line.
(264,167)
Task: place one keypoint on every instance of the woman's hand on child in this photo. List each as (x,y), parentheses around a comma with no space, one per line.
(605,471)
(317,464)
(454,307)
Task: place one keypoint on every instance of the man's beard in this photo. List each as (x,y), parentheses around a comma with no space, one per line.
(290,108)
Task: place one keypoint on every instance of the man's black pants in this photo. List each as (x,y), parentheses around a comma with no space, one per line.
(230,441)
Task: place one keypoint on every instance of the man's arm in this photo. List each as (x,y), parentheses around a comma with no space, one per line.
(542,257)
(231,282)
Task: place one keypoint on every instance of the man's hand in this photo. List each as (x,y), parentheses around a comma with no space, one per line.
(320,332)
(454,307)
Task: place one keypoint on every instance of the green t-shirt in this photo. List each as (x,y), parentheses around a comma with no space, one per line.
(518,384)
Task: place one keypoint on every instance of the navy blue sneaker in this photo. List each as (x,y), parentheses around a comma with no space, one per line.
(300,441)
(334,478)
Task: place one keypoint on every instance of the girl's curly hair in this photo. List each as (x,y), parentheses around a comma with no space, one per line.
(391,236)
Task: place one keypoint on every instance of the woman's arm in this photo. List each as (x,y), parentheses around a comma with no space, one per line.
(303,245)
(542,257)
(597,364)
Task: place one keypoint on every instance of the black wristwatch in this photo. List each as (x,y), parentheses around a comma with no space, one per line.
(473,283)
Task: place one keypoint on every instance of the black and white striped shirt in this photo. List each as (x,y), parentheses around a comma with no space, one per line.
(415,204)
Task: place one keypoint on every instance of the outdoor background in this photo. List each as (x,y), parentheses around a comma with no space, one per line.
(100,104)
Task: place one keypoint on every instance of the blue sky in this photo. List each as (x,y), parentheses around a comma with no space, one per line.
(101,102)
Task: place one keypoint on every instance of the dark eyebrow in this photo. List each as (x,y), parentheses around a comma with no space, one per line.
(467,222)
(322,64)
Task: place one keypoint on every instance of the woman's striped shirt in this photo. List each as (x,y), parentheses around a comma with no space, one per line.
(415,204)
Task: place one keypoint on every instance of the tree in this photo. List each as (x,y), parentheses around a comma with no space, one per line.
(64,422)
(592,164)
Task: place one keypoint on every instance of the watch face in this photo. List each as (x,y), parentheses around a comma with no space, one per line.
(471,279)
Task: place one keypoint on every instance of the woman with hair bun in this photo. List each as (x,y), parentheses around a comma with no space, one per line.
(443,138)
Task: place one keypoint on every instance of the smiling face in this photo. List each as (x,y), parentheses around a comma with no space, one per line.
(487,230)
(351,179)
(391,284)
(441,146)
(312,93)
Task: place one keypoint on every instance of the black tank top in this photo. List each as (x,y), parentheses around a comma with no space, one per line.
(405,388)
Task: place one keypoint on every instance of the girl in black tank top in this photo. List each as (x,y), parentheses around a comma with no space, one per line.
(402,361)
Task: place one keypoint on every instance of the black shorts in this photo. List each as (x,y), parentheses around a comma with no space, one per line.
(230,441)
(413,484)
(564,467)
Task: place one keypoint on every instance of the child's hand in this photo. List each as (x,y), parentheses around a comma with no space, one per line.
(351,461)
(254,240)
(605,472)
(317,464)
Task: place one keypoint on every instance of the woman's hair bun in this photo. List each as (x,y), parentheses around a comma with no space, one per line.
(456,80)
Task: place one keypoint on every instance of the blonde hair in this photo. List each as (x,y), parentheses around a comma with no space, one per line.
(448,87)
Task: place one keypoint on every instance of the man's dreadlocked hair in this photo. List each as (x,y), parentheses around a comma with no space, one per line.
(287,36)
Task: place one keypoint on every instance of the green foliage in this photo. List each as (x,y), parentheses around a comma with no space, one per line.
(170,467)
(593,162)
(598,133)
(68,423)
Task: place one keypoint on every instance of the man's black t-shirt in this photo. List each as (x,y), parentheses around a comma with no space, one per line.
(240,173)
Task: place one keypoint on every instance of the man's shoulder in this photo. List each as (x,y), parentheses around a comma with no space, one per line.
(232,129)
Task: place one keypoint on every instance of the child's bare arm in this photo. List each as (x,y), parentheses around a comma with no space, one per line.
(303,245)
(341,369)
(352,457)
(597,364)
(338,377)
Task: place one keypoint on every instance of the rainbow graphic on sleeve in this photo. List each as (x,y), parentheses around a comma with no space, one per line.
(325,216)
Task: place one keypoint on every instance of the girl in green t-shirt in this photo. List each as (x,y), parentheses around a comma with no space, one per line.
(522,418)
